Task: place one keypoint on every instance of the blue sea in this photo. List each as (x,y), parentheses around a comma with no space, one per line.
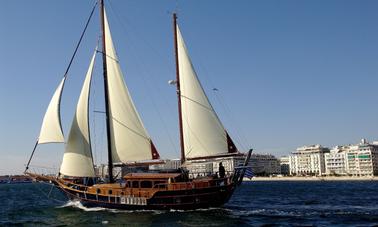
(314,203)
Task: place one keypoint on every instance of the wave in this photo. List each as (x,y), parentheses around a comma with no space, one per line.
(77,204)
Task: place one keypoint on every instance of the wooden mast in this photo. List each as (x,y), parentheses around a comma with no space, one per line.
(178,90)
(105,73)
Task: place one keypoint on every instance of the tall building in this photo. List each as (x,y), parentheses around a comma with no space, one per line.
(362,159)
(335,161)
(308,160)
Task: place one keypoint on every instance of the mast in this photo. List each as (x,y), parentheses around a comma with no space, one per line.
(178,90)
(105,73)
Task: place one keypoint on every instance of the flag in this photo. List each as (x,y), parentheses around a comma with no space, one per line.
(248,172)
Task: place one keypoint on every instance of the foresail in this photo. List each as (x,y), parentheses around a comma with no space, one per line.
(77,159)
(204,134)
(51,130)
(129,139)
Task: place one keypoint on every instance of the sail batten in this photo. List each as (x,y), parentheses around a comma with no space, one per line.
(77,158)
(129,138)
(204,134)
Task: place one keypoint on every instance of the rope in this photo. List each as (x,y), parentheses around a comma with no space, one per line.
(65,75)
(45,194)
(81,38)
(241,139)
(239,133)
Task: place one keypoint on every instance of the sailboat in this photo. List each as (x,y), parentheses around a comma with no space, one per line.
(202,136)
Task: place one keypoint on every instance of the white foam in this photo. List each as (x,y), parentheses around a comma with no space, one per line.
(77,204)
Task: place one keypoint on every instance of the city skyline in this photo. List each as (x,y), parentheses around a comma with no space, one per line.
(286,73)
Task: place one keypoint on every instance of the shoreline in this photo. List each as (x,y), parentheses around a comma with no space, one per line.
(341,178)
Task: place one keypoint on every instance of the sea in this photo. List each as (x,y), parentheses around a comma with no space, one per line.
(260,203)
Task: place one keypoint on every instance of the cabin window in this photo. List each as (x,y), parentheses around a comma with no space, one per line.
(146,184)
(135,184)
(98,191)
(110,192)
(160,184)
(128,184)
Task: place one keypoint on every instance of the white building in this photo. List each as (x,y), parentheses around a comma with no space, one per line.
(335,161)
(206,167)
(362,159)
(168,164)
(308,160)
(261,164)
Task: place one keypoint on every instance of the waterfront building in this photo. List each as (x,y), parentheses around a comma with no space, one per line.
(285,165)
(308,160)
(168,164)
(205,167)
(362,159)
(264,164)
(335,161)
(261,165)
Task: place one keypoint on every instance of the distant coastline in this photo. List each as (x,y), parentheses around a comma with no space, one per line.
(328,178)
(14,179)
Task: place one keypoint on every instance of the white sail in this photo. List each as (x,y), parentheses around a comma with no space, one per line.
(77,159)
(129,139)
(204,134)
(51,130)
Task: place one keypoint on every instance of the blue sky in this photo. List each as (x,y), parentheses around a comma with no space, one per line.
(289,73)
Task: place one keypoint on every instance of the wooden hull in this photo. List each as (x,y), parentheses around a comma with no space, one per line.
(151,191)
(189,199)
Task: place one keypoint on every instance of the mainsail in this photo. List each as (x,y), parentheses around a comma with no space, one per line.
(51,130)
(204,134)
(129,139)
(77,159)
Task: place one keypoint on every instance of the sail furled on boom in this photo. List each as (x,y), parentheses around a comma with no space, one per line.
(129,139)
(204,134)
(77,158)
(51,130)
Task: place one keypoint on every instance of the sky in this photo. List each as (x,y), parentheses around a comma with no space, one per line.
(288,73)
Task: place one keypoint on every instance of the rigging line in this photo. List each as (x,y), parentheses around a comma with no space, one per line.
(132,130)
(239,133)
(207,108)
(31,156)
(161,118)
(108,56)
(65,75)
(146,81)
(192,132)
(81,38)
(241,138)
(72,58)
(97,111)
(43,167)
(140,37)
(45,194)
(198,103)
